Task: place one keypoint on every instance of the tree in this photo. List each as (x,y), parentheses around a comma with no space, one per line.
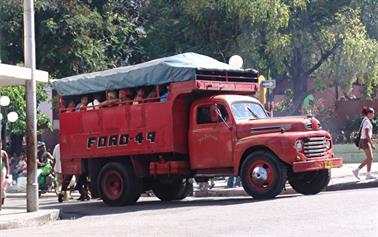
(356,57)
(294,39)
(318,34)
(17,129)
(74,36)
(168,29)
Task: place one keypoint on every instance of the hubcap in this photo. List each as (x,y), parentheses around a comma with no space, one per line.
(113,185)
(259,175)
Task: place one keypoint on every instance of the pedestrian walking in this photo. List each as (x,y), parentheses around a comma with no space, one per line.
(83,185)
(4,171)
(58,173)
(233,182)
(366,143)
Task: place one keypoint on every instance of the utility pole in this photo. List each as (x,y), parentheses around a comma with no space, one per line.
(31,108)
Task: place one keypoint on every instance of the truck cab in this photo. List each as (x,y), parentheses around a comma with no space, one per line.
(207,124)
(228,132)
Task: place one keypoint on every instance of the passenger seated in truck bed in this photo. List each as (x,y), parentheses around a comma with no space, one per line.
(139,96)
(125,95)
(96,103)
(165,93)
(70,106)
(83,103)
(152,94)
(111,99)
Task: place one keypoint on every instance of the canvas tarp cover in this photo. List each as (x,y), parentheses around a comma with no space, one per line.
(181,67)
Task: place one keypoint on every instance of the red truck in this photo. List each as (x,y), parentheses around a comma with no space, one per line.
(207,124)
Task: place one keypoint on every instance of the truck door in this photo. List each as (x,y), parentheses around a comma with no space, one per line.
(210,137)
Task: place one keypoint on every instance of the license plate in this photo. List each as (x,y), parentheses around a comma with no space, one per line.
(328,164)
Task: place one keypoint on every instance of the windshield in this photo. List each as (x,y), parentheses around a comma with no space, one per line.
(248,110)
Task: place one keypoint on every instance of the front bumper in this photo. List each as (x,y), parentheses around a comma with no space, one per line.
(310,165)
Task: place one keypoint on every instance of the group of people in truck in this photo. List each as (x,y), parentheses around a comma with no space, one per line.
(126,96)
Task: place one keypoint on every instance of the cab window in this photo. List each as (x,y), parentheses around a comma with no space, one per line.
(208,114)
(248,110)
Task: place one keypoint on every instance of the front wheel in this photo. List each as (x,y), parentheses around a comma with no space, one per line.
(263,175)
(169,189)
(309,183)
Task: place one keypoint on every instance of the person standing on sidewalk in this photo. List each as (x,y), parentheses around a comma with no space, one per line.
(231,183)
(366,142)
(58,172)
(4,171)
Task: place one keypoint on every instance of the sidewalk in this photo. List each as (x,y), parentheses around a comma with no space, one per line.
(341,179)
(14,215)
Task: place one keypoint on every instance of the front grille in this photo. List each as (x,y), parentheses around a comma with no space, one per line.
(315,146)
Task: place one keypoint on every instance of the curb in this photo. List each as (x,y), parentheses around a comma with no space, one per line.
(234,192)
(352,185)
(31,219)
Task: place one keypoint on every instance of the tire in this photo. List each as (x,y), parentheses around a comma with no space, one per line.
(118,184)
(170,189)
(309,183)
(263,175)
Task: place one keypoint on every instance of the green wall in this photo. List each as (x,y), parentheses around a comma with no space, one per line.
(352,154)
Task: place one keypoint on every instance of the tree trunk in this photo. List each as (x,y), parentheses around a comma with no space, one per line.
(16,144)
(299,79)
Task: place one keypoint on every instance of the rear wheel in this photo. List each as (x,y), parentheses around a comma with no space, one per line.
(263,175)
(310,182)
(118,184)
(169,189)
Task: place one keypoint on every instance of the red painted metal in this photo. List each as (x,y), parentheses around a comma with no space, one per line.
(169,167)
(87,134)
(316,164)
(146,131)
(211,144)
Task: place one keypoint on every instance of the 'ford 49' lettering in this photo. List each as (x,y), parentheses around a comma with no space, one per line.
(119,140)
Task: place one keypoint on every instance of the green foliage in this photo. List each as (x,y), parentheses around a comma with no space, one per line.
(369,17)
(354,125)
(168,29)
(11,18)
(75,36)
(287,102)
(329,42)
(71,37)
(284,39)
(16,95)
(357,56)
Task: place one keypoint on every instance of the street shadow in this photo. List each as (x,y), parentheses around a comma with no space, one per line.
(77,209)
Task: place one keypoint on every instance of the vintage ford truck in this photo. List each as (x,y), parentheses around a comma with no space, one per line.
(200,121)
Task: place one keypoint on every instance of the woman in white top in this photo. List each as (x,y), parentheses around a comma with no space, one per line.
(365,142)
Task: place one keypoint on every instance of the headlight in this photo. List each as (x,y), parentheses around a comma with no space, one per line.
(328,144)
(299,145)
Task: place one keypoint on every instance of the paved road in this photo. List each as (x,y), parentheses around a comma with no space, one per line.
(342,213)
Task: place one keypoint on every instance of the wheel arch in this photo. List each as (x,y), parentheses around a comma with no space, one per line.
(254,149)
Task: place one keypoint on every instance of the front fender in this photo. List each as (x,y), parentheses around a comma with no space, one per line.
(281,144)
